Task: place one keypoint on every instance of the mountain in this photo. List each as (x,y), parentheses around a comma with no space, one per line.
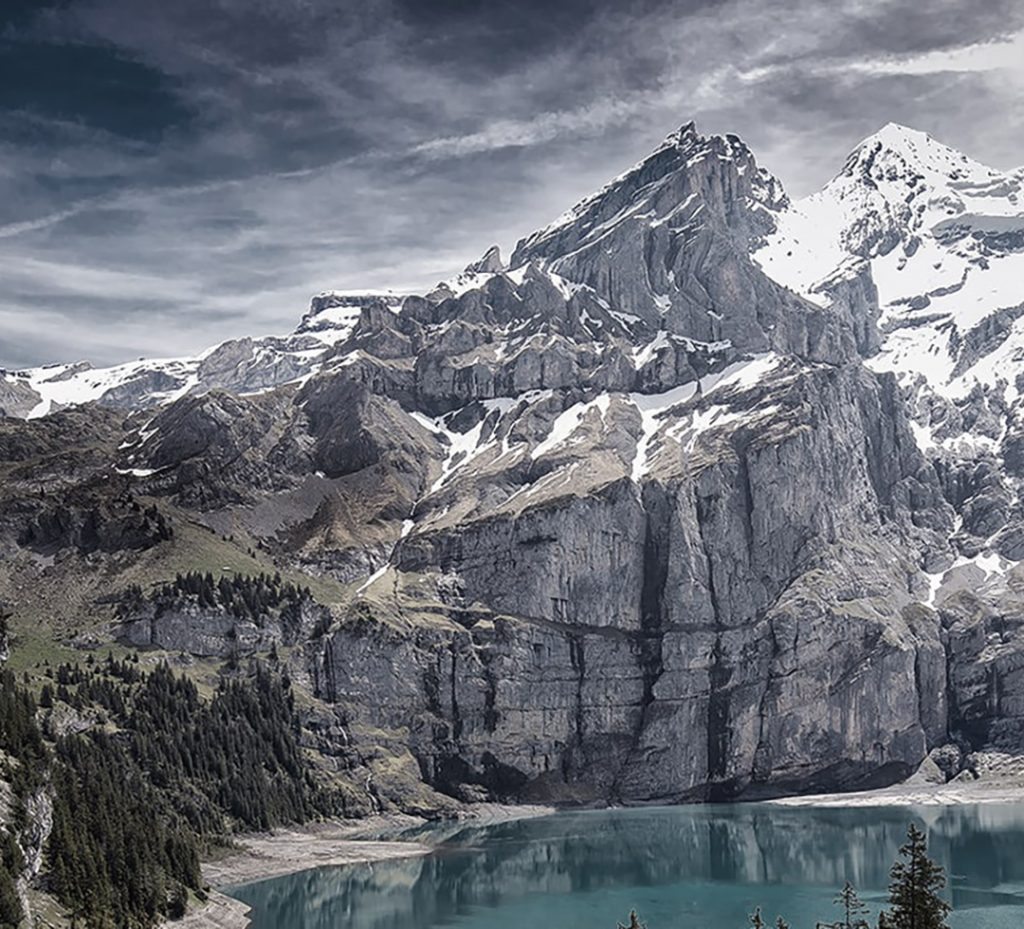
(666,508)
(244,365)
(943,239)
(654,260)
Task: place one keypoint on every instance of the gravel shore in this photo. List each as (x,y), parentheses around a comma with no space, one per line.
(919,795)
(219,912)
(319,845)
(995,778)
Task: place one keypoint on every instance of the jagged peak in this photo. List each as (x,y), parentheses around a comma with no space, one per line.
(489,263)
(686,140)
(688,137)
(681,151)
(684,135)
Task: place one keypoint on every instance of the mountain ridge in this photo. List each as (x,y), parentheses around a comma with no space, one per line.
(290,355)
(643,515)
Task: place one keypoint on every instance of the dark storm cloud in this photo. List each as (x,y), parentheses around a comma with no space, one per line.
(175,173)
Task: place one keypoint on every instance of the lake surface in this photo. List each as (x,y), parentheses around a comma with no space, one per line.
(691,866)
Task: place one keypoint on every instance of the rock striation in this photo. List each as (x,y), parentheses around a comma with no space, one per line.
(661,510)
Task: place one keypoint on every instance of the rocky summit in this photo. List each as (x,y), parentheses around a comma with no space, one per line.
(705,494)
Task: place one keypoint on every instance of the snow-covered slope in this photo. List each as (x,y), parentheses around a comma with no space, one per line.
(944,238)
(245,365)
(941,237)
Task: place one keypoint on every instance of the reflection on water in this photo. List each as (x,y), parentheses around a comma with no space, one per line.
(679,866)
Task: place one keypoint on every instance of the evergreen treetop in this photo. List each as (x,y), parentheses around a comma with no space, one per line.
(914,888)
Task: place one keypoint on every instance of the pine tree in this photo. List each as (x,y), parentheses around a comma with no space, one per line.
(10,905)
(177,904)
(11,863)
(853,910)
(914,888)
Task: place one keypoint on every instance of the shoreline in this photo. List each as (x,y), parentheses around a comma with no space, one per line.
(339,842)
(952,794)
(219,912)
(316,845)
(996,777)
(320,845)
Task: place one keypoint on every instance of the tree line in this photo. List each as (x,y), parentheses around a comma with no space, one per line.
(244,596)
(136,802)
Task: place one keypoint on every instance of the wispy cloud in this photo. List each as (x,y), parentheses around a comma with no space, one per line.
(1003,53)
(43,222)
(514,133)
(303,144)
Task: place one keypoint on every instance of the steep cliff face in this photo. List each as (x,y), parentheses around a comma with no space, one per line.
(670,241)
(712,631)
(627,520)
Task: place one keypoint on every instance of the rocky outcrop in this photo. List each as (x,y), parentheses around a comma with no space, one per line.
(209,632)
(984,631)
(489,263)
(717,632)
(96,523)
(17,398)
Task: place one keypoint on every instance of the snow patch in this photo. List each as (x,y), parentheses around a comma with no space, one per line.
(652,407)
(567,422)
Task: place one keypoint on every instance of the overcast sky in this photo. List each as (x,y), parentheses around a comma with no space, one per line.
(177,172)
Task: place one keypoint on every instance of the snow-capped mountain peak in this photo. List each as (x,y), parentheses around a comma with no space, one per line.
(898,187)
(897,154)
(943,238)
(245,365)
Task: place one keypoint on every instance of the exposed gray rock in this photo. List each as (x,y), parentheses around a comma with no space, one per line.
(144,389)
(232,618)
(985,645)
(753,640)
(669,241)
(94,522)
(627,521)
(489,263)
(17,398)
(205,633)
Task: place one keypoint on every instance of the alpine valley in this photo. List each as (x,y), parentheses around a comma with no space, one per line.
(705,494)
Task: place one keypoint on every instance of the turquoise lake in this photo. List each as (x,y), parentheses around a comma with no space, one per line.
(690,866)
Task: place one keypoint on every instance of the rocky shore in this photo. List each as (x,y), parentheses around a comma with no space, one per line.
(219,912)
(993,778)
(316,846)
